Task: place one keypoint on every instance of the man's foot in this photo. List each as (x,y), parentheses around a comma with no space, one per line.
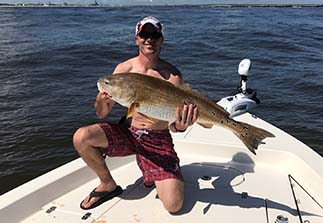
(98,197)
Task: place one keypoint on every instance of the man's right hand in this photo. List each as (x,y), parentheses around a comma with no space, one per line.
(105,96)
(103,104)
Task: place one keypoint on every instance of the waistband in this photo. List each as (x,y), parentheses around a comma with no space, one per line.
(132,128)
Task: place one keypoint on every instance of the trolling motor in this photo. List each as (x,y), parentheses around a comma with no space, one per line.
(246,98)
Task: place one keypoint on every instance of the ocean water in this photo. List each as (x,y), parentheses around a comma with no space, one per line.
(51,58)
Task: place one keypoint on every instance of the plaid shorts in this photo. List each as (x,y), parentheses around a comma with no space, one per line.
(154,150)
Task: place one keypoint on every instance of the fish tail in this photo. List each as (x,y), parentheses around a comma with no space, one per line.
(251,135)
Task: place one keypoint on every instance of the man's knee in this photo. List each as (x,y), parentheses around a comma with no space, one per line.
(171,193)
(83,136)
(173,205)
(79,138)
(89,137)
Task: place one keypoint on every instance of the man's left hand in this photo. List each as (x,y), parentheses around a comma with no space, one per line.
(185,117)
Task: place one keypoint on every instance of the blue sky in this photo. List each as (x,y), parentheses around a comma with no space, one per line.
(131,2)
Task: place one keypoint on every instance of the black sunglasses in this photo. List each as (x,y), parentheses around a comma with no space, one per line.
(153,35)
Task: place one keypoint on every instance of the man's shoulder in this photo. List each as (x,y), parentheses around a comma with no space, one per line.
(125,66)
(169,68)
(166,65)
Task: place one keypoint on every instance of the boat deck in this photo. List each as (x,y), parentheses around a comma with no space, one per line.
(224,182)
(227,191)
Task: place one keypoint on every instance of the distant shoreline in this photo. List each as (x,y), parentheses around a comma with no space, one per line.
(25,5)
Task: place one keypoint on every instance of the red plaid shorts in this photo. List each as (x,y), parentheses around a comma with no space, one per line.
(154,150)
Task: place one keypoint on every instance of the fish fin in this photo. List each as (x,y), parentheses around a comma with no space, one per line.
(132,109)
(251,136)
(186,87)
(150,119)
(205,125)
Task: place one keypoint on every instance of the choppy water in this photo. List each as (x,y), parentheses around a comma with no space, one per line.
(51,58)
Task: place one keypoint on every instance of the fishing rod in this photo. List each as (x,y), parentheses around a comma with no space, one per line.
(290,177)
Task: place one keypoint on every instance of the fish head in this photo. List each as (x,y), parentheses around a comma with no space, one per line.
(121,91)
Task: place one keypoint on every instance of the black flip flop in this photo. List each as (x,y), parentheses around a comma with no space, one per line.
(103,197)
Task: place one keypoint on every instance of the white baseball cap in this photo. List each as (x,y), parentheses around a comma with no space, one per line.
(152,20)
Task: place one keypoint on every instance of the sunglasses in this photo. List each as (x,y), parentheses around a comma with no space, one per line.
(153,35)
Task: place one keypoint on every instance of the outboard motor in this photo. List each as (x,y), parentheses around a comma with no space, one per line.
(245,99)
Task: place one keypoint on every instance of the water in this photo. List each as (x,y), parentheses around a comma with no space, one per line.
(51,58)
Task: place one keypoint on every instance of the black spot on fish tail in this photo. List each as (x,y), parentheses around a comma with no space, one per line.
(251,136)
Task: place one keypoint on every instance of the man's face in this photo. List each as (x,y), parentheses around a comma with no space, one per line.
(149,41)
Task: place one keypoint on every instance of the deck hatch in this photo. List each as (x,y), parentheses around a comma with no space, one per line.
(212,175)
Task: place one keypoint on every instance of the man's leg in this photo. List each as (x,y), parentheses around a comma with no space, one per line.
(171,193)
(86,141)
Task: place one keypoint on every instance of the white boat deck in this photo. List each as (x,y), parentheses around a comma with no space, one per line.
(224,182)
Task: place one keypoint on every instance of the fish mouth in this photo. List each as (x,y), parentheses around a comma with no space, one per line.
(100,85)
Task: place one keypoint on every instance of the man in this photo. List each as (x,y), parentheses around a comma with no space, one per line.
(145,135)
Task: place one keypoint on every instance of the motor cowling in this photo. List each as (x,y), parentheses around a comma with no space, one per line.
(245,99)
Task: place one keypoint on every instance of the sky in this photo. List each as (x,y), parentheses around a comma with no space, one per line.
(171,2)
